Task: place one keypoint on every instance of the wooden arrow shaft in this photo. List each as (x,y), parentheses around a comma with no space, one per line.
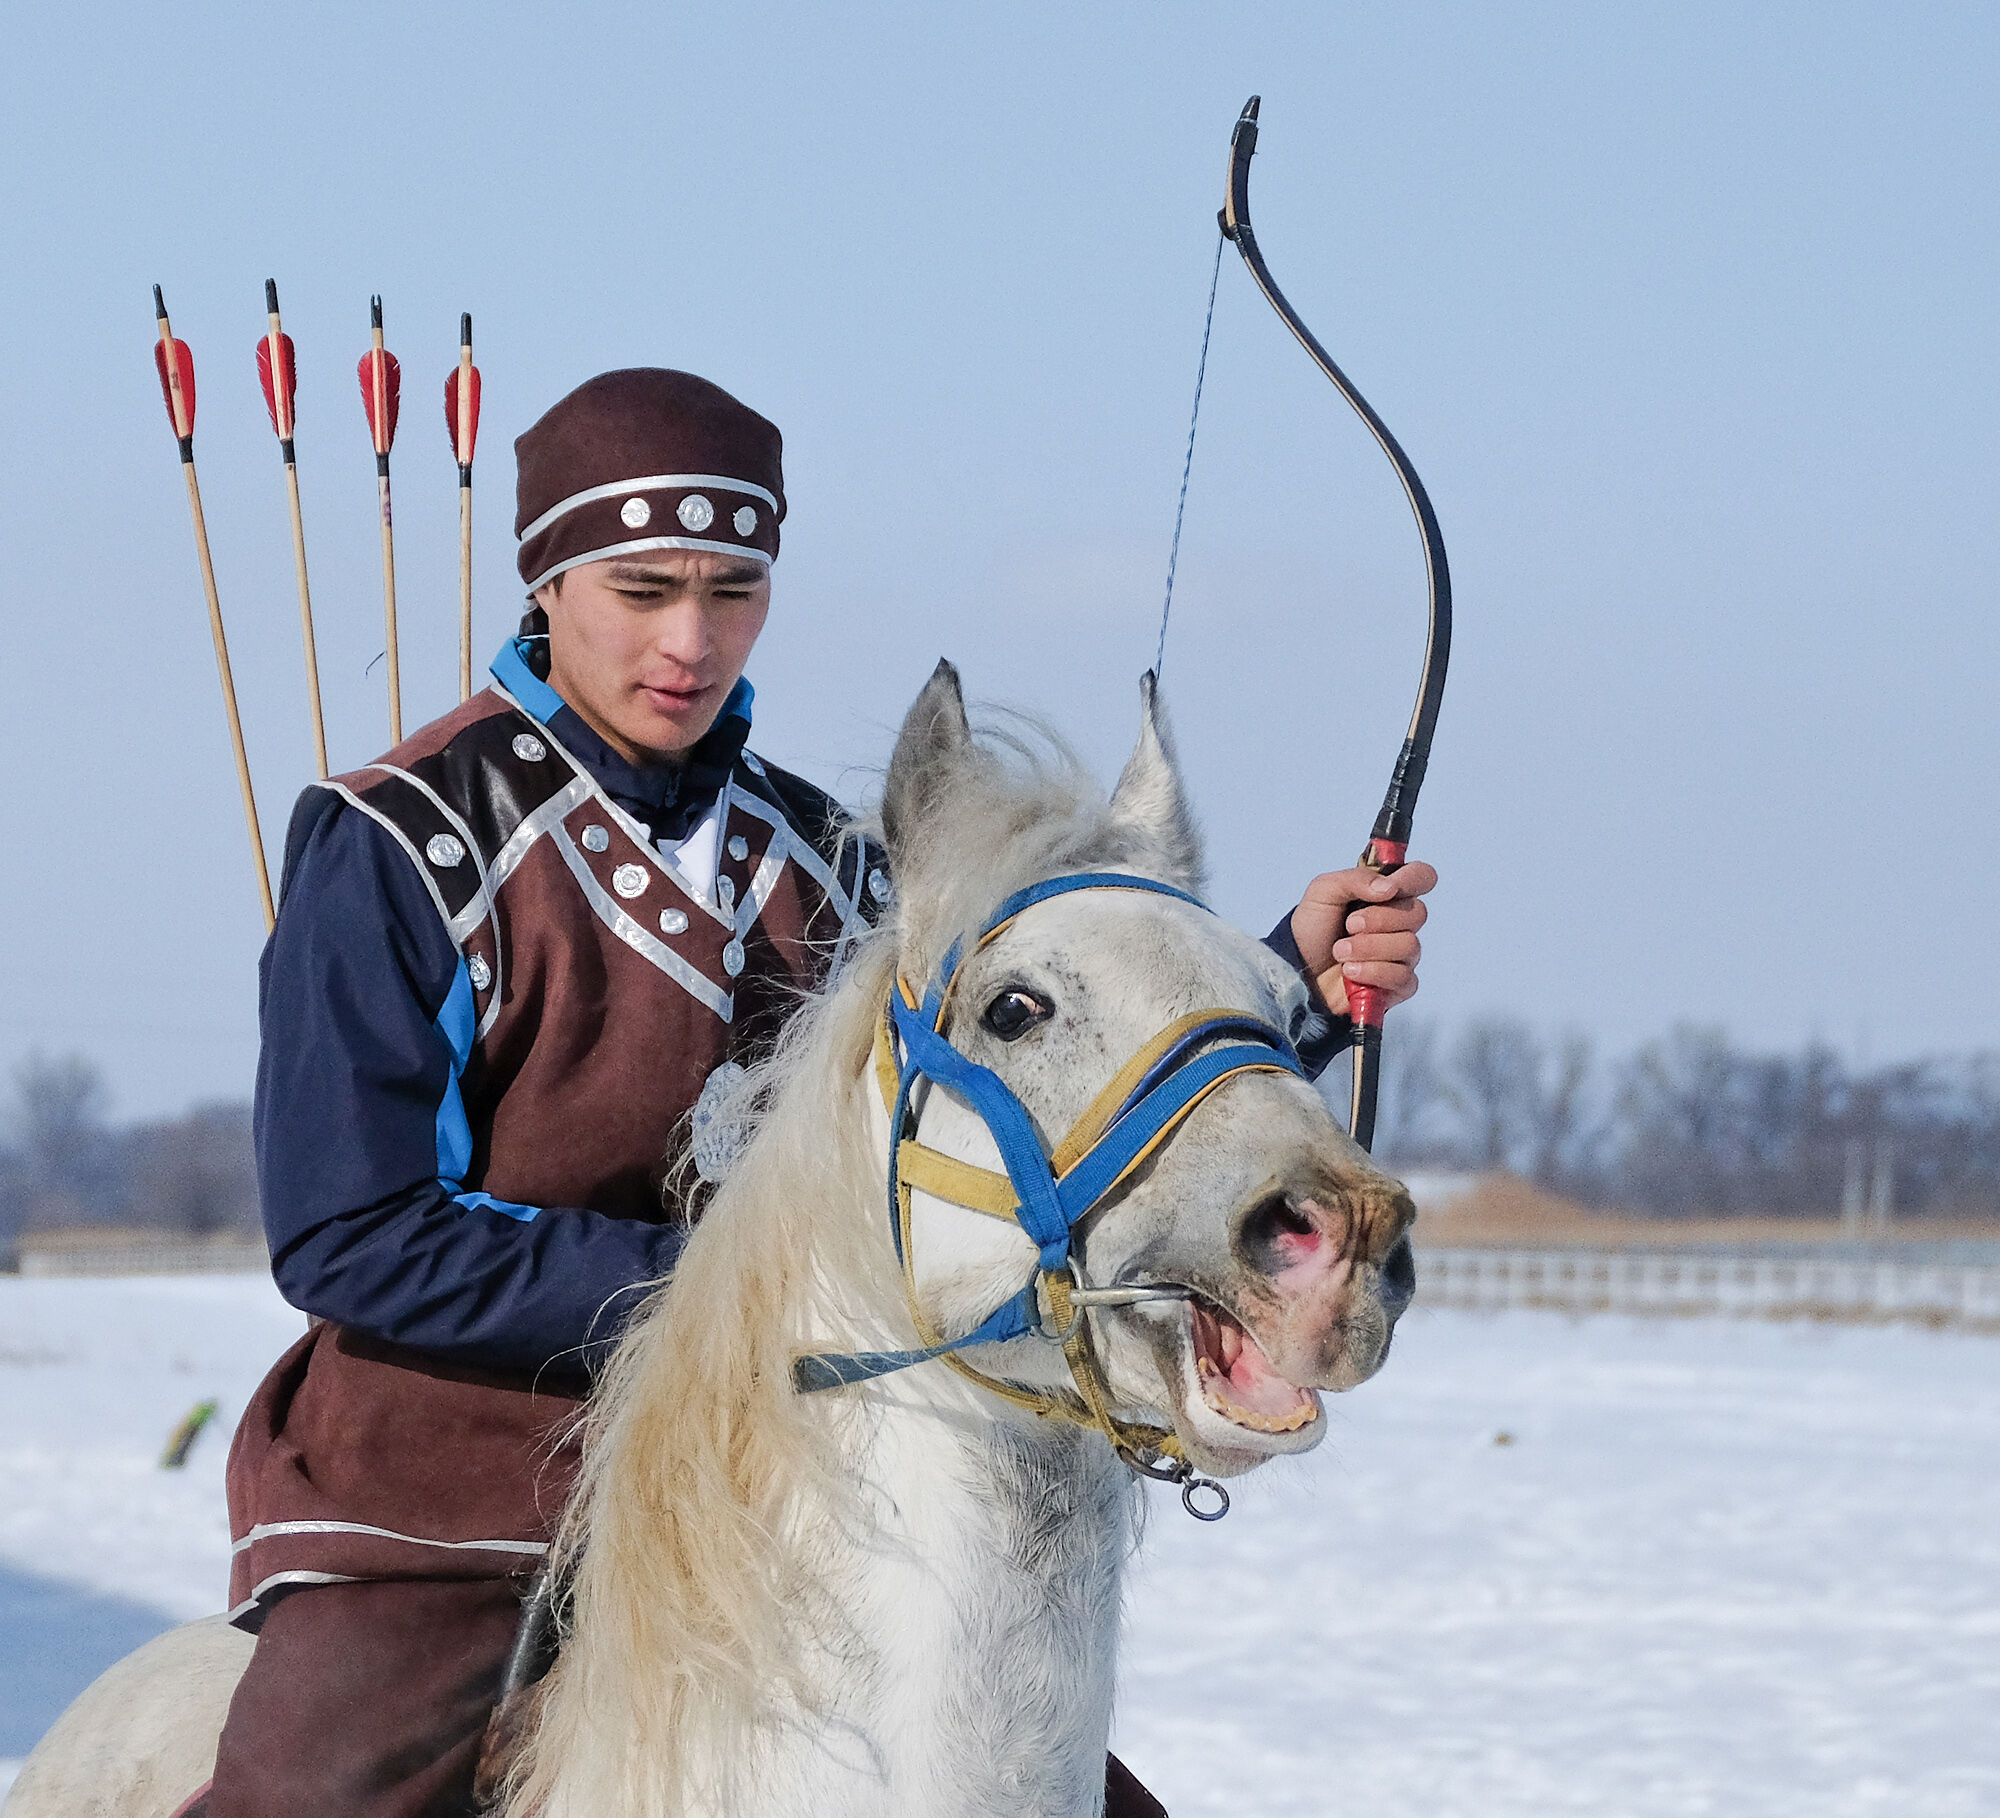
(229,698)
(462,436)
(389,602)
(306,619)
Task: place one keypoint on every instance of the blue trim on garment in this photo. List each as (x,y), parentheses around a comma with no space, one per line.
(510,669)
(457,1026)
(455,1023)
(507,1208)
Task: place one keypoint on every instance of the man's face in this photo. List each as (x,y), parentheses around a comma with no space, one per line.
(647,647)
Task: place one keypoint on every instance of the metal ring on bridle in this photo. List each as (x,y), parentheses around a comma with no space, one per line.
(1193,1483)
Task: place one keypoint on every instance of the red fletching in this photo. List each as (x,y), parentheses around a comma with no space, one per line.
(462,443)
(381,377)
(280,399)
(180,415)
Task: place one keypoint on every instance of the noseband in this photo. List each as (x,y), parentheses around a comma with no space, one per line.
(1047,1194)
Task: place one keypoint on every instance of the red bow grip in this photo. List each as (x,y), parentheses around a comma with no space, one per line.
(1366,1006)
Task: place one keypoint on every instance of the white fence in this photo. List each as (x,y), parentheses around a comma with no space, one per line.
(145,1259)
(1751,1285)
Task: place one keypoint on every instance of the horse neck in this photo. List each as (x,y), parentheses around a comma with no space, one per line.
(984,1587)
(988,1601)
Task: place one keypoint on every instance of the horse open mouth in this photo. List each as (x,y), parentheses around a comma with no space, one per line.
(1238,1381)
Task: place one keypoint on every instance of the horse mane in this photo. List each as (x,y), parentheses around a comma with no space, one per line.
(696,1617)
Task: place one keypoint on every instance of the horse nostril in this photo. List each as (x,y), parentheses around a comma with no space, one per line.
(1275,1233)
(1399,1278)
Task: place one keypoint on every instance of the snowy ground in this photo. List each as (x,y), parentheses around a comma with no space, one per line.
(1720,1568)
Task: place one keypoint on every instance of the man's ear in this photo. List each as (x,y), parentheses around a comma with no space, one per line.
(935,737)
(1150,798)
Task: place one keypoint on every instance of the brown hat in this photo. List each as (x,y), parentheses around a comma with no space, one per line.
(646,459)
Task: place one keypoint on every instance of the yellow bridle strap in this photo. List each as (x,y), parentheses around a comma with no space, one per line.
(1097,1115)
(990,1191)
(962,1183)
(987,1189)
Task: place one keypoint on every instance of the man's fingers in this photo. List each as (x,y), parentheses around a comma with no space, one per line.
(1359,884)
(1388,918)
(1416,879)
(1377,949)
(1397,983)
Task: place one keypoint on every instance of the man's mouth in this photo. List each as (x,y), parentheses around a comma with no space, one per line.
(1238,1381)
(675,700)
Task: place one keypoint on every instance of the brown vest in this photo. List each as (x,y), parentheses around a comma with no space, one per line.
(605,993)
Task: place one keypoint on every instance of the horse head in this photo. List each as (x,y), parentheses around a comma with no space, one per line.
(1264,1255)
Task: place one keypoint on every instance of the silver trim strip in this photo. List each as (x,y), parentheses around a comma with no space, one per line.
(655,860)
(402,839)
(769,869)
(551,813)
(647,945)
(257,1592)
(802,851)
(632,548)
(269,1531)
(480,909)
(654,482)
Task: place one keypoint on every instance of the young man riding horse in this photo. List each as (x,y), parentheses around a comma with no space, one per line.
(511,957)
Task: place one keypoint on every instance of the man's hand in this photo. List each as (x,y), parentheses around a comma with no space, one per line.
(1362,925)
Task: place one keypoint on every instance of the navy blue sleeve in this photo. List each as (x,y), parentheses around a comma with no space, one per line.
(358,1124)
(1338,1036)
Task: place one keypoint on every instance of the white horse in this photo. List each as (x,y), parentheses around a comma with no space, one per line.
(900,1595)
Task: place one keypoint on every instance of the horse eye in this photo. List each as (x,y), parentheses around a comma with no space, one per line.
(1300,1017)
(1013,1013)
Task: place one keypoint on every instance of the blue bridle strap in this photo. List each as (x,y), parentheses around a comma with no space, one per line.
(1048,1207)
(833,1370)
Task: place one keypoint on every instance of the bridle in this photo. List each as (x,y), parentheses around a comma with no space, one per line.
(1047,1194)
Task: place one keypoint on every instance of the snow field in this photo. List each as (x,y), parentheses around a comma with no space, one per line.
(1721,1567)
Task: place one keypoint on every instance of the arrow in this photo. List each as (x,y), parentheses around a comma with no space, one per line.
(278,373)
(461,417)
(176,366)
(381,392)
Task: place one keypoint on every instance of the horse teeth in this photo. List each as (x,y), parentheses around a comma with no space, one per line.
(1258,1423)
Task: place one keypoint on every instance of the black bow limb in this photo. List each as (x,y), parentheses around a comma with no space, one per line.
(1388,844)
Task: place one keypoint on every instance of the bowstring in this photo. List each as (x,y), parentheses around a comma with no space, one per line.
(1187,466)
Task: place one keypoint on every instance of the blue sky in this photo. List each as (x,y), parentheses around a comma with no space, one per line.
(1684,313)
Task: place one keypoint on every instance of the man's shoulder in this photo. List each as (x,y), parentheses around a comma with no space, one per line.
(473,777)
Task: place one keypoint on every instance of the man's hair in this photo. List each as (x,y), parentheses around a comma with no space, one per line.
(535,622)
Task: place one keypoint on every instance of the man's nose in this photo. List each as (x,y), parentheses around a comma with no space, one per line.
(682,633)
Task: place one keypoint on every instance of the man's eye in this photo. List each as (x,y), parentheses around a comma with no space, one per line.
(1013,1013)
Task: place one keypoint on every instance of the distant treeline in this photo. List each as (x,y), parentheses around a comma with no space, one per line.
(1688,1126)
(1692,1126)
(63,1164)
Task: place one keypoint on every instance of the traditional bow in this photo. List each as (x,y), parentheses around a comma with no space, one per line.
(1388,845)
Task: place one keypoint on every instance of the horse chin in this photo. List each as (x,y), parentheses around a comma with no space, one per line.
(1234,1409)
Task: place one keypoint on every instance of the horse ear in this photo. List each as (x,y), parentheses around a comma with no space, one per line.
(1150,798)
(935,734)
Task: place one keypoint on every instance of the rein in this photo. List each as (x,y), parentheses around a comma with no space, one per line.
(1047,1194)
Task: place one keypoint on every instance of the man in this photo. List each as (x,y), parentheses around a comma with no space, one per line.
(509,959)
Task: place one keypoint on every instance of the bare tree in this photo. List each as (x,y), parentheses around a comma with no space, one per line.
(197,1173)
(62,1148)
